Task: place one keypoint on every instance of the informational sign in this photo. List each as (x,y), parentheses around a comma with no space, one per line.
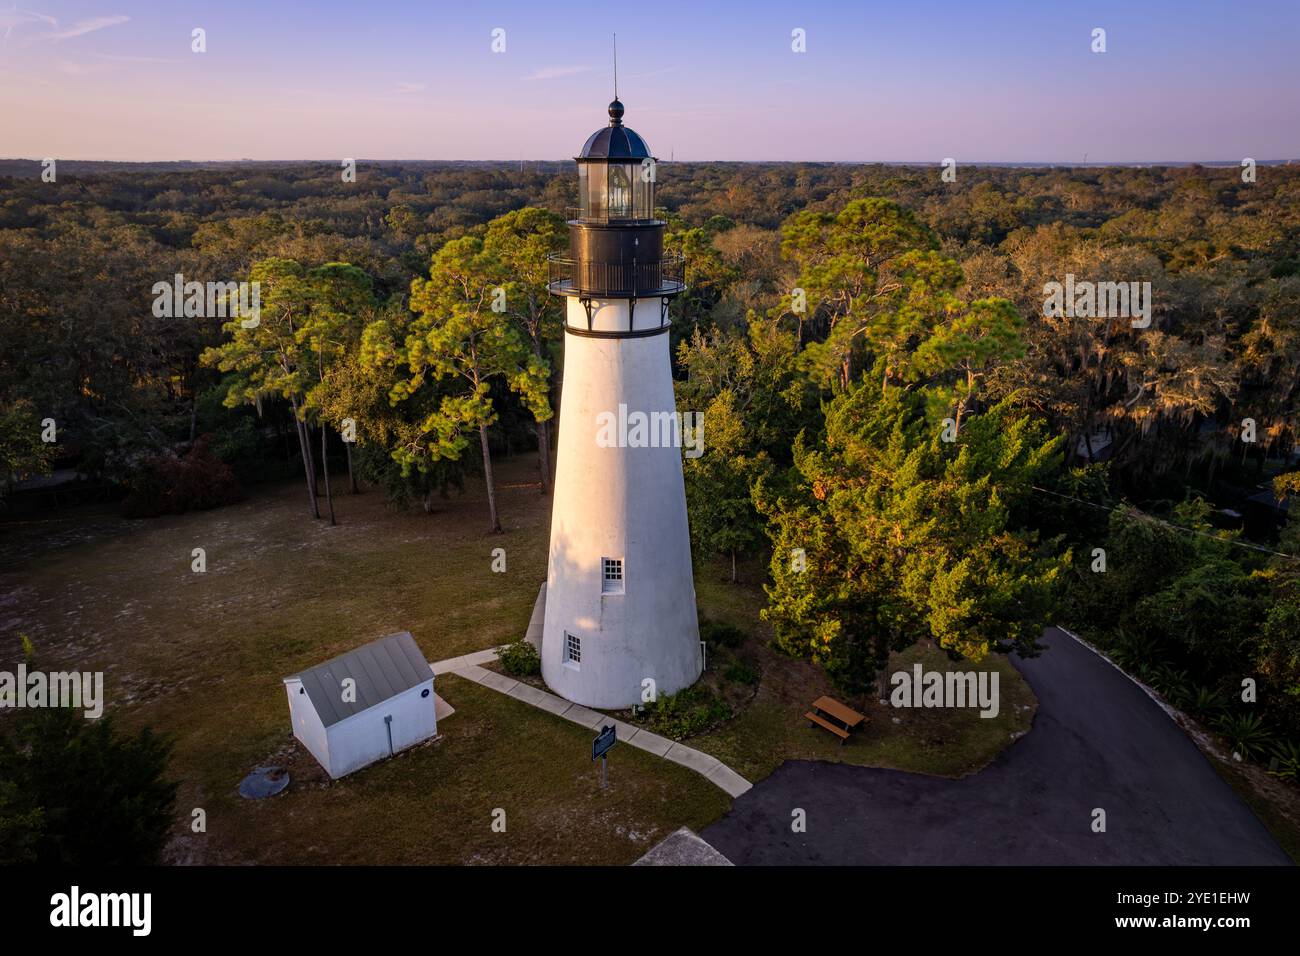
(602,744)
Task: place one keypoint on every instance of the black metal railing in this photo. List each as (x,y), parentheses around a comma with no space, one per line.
(664,276)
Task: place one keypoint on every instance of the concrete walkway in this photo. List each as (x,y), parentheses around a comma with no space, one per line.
(712,769)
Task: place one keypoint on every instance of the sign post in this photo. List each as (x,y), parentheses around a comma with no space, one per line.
(600,748)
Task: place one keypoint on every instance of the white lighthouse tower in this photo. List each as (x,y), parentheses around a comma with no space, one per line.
(620,599)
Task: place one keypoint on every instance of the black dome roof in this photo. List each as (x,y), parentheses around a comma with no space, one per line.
(615,141)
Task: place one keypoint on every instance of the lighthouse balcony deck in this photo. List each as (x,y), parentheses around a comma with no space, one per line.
(663,277)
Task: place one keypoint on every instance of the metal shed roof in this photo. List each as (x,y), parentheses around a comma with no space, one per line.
(382,669)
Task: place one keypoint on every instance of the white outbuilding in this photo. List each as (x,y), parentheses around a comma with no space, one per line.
(364,705)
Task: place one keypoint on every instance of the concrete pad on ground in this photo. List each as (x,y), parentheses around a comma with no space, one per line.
(441,709)
(536,623)
(481,657)
(683,848)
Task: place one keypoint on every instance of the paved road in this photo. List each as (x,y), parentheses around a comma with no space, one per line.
(1097,741)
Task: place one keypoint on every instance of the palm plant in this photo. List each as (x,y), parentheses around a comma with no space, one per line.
(1171,682)
(1286,760)
(1245,733)
(1206,701)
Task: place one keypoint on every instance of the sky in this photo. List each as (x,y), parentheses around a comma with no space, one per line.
(975,80)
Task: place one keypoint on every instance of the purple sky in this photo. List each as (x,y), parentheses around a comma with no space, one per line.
(977,81)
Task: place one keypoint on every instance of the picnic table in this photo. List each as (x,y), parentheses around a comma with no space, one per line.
(829,714)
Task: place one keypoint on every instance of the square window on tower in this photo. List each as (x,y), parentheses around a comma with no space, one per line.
(611,575)
(572,649)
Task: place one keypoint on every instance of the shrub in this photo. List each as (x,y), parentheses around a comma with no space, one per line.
(721,633)
(1245,733)
(740,673)
(1175,684)
(1132,652)
(1286,760)
(1206,701)
(166,484)
(520,659)
(82,793)
(688,712)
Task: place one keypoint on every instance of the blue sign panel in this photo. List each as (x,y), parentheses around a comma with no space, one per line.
(602,744)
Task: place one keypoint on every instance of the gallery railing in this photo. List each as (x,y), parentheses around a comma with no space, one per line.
(664,276)
(602,214)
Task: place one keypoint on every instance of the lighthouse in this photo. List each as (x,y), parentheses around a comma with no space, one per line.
(620,622)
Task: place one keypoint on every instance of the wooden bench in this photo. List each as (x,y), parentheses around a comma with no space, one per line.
(823,722)
(829,713)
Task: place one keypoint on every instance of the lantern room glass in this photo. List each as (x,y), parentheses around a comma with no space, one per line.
(616,190)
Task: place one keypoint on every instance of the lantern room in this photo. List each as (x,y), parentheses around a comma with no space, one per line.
(616,174)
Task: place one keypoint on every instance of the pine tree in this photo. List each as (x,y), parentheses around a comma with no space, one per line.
(889,534)
(456,335)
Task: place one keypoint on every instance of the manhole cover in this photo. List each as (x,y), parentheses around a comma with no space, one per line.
(264,782)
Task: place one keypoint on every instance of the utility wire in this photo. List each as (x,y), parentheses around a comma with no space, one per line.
(1168,524)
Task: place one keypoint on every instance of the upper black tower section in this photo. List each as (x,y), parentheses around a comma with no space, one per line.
(615,241)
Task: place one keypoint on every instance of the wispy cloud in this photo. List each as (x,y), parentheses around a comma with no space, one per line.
(82,27)
(555,72)
(13,18)
(403,89)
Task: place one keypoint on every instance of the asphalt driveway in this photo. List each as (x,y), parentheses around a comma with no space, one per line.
(1097,741)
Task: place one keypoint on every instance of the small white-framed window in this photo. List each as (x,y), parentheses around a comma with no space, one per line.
(611,575)
(572,649)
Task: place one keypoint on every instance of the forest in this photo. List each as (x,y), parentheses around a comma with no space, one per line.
(900,440)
